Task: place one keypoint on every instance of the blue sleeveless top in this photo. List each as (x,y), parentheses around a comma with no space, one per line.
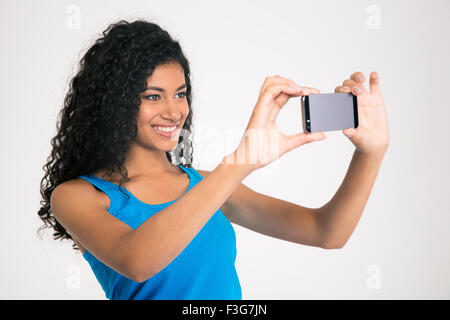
(204,270)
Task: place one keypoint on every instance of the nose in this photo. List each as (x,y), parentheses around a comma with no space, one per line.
(171,112)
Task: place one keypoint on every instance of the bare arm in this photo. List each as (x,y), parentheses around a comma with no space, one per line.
(144,251)
(330,226)
(339,217)
(273,217)
(327,227)
(162,237)
(341,214)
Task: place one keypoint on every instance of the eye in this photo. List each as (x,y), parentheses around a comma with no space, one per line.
(152,95)
(184,94)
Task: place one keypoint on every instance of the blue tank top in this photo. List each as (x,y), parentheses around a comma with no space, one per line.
(204,270)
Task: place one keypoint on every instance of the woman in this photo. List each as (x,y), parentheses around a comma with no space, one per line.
(152,228)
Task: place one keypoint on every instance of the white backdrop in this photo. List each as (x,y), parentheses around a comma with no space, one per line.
(401,246)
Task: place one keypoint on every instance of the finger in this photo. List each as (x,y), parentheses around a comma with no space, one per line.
(267,80)
(278,80)
(282,98)
(357,89)
(374,82)
(358,77)
(271,93)
(273,114)
(308,90)
(295,140)
(280,101)
(280,94)
(342,89)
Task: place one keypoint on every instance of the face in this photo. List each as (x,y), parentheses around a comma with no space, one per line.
(164,108)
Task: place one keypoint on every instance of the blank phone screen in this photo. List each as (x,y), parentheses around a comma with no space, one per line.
(332,111)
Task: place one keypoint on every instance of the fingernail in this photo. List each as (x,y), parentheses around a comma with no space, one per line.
(346,88)
(357,90)
(360,77)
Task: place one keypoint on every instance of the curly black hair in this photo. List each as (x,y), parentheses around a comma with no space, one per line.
(97,123)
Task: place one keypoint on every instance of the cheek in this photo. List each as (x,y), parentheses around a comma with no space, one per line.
(185,110)
(142,121)
(145,115)
(146,112)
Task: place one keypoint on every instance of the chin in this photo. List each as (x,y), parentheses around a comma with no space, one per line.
(167,146)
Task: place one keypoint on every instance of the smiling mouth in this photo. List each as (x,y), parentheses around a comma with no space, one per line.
(165,131)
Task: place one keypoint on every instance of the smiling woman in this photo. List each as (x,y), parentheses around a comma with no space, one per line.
(121,121)
(104,107)
(164,113)
(152,228)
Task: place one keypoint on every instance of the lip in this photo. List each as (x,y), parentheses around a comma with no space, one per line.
(166,125)
(166,134)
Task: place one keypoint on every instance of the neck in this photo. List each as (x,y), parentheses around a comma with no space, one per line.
(142,161)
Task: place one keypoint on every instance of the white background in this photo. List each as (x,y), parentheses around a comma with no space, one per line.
(401,246)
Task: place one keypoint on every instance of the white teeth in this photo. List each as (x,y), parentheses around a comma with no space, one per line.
(166,129)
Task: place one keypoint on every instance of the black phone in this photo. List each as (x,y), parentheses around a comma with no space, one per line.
(329,111)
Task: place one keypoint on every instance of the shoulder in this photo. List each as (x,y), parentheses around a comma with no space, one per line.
(78,190)
(203,173)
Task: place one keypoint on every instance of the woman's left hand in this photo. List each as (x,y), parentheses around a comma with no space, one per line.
(372,134)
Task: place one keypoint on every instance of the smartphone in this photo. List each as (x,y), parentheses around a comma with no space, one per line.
(329,111)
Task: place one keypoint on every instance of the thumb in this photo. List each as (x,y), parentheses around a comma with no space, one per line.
(349,133)
(295,140)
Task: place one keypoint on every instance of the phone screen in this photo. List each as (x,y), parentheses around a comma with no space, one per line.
(329,111)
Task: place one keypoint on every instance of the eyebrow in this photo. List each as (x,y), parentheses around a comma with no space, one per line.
(162,90)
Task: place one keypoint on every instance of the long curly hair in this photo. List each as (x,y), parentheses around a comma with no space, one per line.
(97,123)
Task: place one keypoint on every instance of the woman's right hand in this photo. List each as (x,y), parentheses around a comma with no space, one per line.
(263,142)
